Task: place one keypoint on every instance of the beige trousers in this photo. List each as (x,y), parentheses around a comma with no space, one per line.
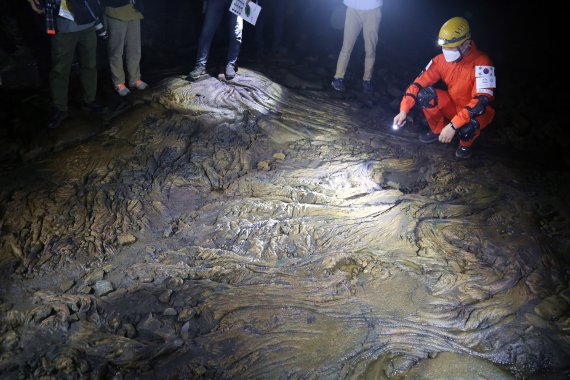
(355,21)
(125,38)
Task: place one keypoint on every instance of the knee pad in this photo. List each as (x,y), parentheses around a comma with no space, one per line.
(427,97)
(467,132)
(479,108)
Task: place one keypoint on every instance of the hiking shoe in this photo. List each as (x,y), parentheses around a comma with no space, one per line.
(367,87)
(138,84)
(338,84)
(94,107)
(56,118)
(230,72)
(429,137)
(198,71)
(463,152)
(121,89)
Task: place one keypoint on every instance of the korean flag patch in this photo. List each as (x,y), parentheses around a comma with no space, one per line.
(484,71)
(485,78)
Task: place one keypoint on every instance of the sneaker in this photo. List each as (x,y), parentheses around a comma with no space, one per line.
(429,137)
(138,84)
(338,84)
(198,71)
(56,118)
(94,107)
(367,87)
(230,72)
(463,152)
(121,89)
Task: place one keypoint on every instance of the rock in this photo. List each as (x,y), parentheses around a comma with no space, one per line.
(64,363)
(85,289)
(170,312)
(93,277)
(448,365)
(168,232)
(263,165)
(9,341)
(130,330)
(126,239)
(393,185)
(66,285)
(146,278)
(279,156)
(165,296)
(103,288)
(174,283)
(200,371)
(156,327)
(551,308)
(186,314)
(41,312)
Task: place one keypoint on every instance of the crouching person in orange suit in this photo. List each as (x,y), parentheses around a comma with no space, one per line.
(464,109)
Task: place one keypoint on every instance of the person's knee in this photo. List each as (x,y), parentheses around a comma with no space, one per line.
(469,130)
(427,97)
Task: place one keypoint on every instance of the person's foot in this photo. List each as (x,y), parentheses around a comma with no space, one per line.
(138,84)
(121,89)
(367,87)
(463,152)
(94,107)
(56,118)
(338,84)
(429,137)
(198,71)
(230,72)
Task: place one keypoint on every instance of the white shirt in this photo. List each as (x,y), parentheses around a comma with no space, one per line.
(363,5)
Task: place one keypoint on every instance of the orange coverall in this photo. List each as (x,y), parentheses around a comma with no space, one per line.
(461,91)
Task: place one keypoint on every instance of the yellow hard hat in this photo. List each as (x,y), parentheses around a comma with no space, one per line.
(454,32)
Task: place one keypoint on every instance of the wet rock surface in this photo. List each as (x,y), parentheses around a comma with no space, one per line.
(268,227)
(248,229)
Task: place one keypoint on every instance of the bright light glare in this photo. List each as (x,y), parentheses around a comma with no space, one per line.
(395,127)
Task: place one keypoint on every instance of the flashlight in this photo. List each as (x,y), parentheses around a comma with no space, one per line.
(395,127)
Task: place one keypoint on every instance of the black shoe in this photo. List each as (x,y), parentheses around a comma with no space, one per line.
(367,87)
(230,72)
(94,107)
(338,84)
(429,137)
(463,152)
(56,118)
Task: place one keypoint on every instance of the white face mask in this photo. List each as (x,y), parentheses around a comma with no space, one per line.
(451,55)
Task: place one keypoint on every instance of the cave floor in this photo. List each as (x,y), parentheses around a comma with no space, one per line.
(252,229)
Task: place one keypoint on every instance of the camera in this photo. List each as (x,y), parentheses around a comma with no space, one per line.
(101,31)
(50,15)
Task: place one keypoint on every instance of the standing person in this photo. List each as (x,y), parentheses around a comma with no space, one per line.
(273,13)
(72,24)
(124,23)
(469,76)
(215,10)
(365,16)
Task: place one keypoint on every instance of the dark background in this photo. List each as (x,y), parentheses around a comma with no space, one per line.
(517,35)
(525,40)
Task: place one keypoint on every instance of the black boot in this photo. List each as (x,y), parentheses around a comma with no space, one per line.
(429,137)
(94,107)
(56,118)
